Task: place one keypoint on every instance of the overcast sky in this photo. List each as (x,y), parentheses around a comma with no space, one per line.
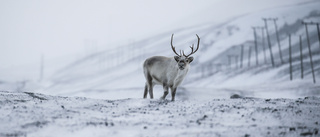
(29,28)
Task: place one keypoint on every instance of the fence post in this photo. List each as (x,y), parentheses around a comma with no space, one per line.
(310,53)
(249,56)
(236,57)
(269,43)
(276,27)
(263,46)
(255,44)
(318,34)
(301,57)
(290,57)
(241,57)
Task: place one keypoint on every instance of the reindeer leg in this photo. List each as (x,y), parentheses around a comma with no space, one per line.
(173,93)
(151,91)
(150,85)
(145,91)
(166,91)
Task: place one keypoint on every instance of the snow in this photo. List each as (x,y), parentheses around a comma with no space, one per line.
(42,115)
(100,93)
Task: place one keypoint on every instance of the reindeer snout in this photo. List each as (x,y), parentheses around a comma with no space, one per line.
(181,66)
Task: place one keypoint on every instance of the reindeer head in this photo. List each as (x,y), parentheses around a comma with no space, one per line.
(182,59)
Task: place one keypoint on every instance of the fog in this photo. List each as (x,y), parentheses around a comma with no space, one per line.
(59,28)
(69,29)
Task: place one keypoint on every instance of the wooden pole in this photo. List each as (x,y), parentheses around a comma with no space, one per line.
(241,57)
(236,57)
(310,53)
(318,34)
(278,40)
(290,57)
(249,56)
(255,44)
(263,46)
(269,43)
(301,57)
(314,23)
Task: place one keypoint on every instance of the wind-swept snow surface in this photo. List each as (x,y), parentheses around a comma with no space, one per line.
(31,114)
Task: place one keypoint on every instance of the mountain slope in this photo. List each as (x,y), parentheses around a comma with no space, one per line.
(121,68)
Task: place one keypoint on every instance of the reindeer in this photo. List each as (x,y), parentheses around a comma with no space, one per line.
(167,71)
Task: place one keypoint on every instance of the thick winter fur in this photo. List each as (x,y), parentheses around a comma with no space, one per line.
(166,71)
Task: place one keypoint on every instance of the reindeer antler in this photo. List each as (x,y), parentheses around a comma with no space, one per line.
(173,48)
(192,47)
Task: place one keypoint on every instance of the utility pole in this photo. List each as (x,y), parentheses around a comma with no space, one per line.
(278,39)
(241,57)
(310,53)
(314,23)
(318,33)
(255,44)
(269,43)
(290,57)
(277,35)
(249,56)
(236,58)
(301,57)
(263,43)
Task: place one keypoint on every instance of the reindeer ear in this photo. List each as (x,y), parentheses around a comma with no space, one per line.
(190,59)
(176,58)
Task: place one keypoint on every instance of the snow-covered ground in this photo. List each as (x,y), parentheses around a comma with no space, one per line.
(34,115)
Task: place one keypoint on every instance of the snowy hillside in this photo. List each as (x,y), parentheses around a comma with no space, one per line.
(120,69)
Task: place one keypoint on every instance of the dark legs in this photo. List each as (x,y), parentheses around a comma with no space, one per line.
(145,91)
(166,91)
(151,91)
(148,87)
(173,93)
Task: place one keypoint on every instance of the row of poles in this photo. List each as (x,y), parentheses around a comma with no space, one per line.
(309,49)
(306,24)
(274,20)
(121,55)
(108,59)
(265,29)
